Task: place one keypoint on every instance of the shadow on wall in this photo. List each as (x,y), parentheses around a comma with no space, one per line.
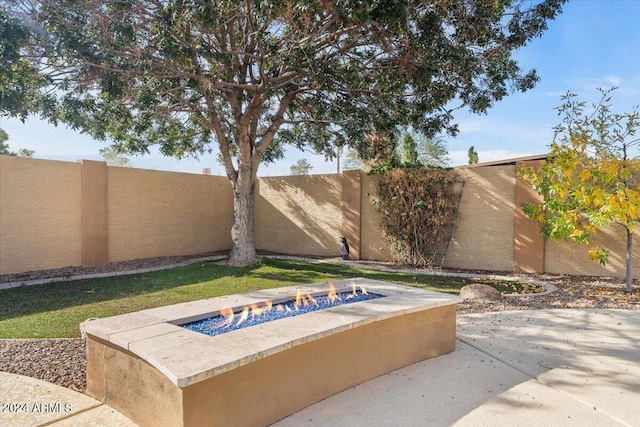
(299,214)
(484,234)
(373,243)
(185,214)
(573,258)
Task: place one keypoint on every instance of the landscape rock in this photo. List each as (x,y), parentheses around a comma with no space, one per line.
(479,291)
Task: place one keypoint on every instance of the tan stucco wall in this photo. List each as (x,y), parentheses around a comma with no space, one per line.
(374,244)
(299,215)
(573,258)
(350,205)
(484,234)
(40,224)
(153,213)
(149,397)
(528,250)
(94,209)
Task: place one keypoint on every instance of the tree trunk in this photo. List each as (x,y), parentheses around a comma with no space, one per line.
(629,254)
(243,250)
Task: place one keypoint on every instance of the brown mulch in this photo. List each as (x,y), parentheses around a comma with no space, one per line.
(62,361)
(111,267)
(573,292)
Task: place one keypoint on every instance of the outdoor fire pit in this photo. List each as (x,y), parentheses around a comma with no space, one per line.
(151,366)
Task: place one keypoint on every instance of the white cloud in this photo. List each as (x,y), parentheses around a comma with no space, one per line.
(613,80)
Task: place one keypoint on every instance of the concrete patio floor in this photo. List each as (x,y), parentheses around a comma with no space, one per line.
(519,368)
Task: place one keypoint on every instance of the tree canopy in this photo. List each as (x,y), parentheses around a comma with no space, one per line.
(113,158)
(301,167)
(25,86)
(416,150)
(472,154)
(246,77)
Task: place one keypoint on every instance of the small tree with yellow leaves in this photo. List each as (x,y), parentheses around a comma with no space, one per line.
(591,178)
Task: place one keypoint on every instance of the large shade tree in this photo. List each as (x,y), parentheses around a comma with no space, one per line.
(246,77)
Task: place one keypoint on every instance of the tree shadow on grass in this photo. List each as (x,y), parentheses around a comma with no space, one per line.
(27,300)
(201,280)
(295,272)
(56,309)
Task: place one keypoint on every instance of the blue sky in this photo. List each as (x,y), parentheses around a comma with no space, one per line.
(594,43)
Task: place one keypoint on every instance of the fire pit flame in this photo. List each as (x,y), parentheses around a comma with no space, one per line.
(312,300)
(252,312)
(332,295)
(228,315)
(259,311)
(303,301)
(243,315)
(354,294)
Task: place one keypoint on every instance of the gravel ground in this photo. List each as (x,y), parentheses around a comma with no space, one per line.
(59,361)
(62,361)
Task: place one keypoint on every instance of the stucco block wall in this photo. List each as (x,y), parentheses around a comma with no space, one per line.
(40,220)
(484,234)
(58,214)
(573,258)
(374,243)
(299,214)
(153,213)
(306,215)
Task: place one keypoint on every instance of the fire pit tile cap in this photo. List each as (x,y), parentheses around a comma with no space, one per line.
(145,347)
(126,338)
(105,328)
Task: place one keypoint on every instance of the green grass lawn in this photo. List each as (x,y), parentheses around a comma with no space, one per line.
(56,310)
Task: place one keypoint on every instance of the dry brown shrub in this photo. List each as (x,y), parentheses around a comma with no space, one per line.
(418,208)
